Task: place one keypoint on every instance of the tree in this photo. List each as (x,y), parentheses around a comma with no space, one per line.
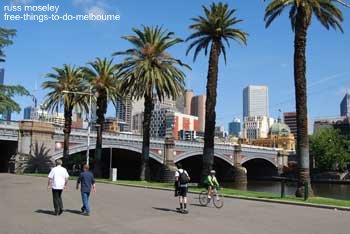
(63,84)
(329,149)
(40,159)
(300,14)
(5,40)
(215,30)
(103,81)
(7,93)
(148,71)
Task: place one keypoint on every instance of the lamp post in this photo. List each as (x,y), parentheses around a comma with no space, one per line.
(89,119)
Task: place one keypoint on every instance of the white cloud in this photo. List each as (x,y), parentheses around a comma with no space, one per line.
(99,7)
(95,10)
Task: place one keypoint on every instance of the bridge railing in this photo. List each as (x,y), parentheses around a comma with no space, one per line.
(9,124)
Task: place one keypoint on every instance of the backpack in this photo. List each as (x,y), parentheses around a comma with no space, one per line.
(183,177)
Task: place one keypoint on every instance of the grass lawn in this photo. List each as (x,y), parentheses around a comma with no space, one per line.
(226,192)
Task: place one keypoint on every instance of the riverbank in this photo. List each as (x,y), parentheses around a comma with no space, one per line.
(321,202)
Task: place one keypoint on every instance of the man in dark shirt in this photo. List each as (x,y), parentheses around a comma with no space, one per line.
(86,181)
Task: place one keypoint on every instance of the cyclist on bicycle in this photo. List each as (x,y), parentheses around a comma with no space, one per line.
(211,183)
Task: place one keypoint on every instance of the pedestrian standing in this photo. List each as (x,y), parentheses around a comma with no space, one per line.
(58,179)
(87,182)
(182,179)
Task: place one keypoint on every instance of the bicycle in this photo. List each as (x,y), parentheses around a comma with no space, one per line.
(217,198)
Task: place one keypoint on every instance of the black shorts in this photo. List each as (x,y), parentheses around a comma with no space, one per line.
(183,191)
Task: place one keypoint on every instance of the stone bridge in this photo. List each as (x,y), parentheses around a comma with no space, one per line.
(163,151)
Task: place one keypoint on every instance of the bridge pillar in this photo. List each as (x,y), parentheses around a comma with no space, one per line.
(168,169)
(240,173)
(282,161)
(35,140)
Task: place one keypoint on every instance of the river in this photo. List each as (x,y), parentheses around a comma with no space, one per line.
(336,191)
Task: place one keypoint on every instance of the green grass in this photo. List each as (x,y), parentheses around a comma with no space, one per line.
(227,192)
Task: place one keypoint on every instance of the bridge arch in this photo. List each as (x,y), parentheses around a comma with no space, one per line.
(82,148)
(200,152)
(260,168)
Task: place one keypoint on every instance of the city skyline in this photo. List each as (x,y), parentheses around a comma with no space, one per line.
(251,65)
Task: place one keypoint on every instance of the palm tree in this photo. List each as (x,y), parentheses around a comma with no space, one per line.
(300,14)
(150,72)
(215,30)
(62,85)
(5,40)
(103,81)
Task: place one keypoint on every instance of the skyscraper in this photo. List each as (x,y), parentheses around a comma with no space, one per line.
(123,111)
(234,127)
(345,105)
(290,118)
(188,101)
(2,76)
(198,109)
(255,101)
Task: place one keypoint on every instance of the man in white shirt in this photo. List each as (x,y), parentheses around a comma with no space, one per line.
(181,186)
(58,179)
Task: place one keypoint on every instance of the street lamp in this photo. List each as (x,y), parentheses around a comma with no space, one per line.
(89,120)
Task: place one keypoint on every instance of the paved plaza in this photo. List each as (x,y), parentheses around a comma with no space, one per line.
(26,206)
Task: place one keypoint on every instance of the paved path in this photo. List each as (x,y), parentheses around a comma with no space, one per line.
(25,207)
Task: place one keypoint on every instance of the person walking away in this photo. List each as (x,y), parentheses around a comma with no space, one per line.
(182,178)
(58,179)
(86,181)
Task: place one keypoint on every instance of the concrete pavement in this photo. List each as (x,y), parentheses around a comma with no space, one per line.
(26,206)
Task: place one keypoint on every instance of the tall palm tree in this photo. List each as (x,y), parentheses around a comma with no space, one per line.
(300,14)
(62,85)
(101,76)
(215,30)
(5,40)
(148,72)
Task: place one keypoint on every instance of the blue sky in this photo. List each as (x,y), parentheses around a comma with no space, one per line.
(267,60)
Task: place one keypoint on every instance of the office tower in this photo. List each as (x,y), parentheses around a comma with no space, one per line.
(188,101)
(345,105)
(234,127)
(123,111)
(255,101)
(27,112)
(2,76)
(198,109)
(255,127)
(290,118)
(220,132)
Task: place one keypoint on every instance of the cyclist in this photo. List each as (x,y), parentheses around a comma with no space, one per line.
(211,183)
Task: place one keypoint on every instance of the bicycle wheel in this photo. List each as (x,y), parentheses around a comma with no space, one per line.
(203,198)
(218,200)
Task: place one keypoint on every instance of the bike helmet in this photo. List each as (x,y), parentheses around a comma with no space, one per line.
(212,172)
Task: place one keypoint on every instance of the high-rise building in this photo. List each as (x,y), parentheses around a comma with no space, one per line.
(2,76)
(255,101)
(234,127)
(220,132)
(345,105)
(290,118)
(188,101)
(27,112)
(255,127)
(198,109)
(123,111)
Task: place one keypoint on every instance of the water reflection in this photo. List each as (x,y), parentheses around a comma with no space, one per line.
(337,191)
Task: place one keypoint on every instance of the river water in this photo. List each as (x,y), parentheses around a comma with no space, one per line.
(336,191)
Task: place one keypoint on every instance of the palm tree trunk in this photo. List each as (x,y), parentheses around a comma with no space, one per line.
(67,130)
(100,112)
(302,150)
(145,169)
(210,114)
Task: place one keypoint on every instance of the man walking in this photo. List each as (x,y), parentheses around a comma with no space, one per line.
(181,181)
(86,181)
(58,179)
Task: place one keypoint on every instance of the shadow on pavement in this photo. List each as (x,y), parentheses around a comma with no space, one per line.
(47,212)
(195,204)
(73,211)
(165,209)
